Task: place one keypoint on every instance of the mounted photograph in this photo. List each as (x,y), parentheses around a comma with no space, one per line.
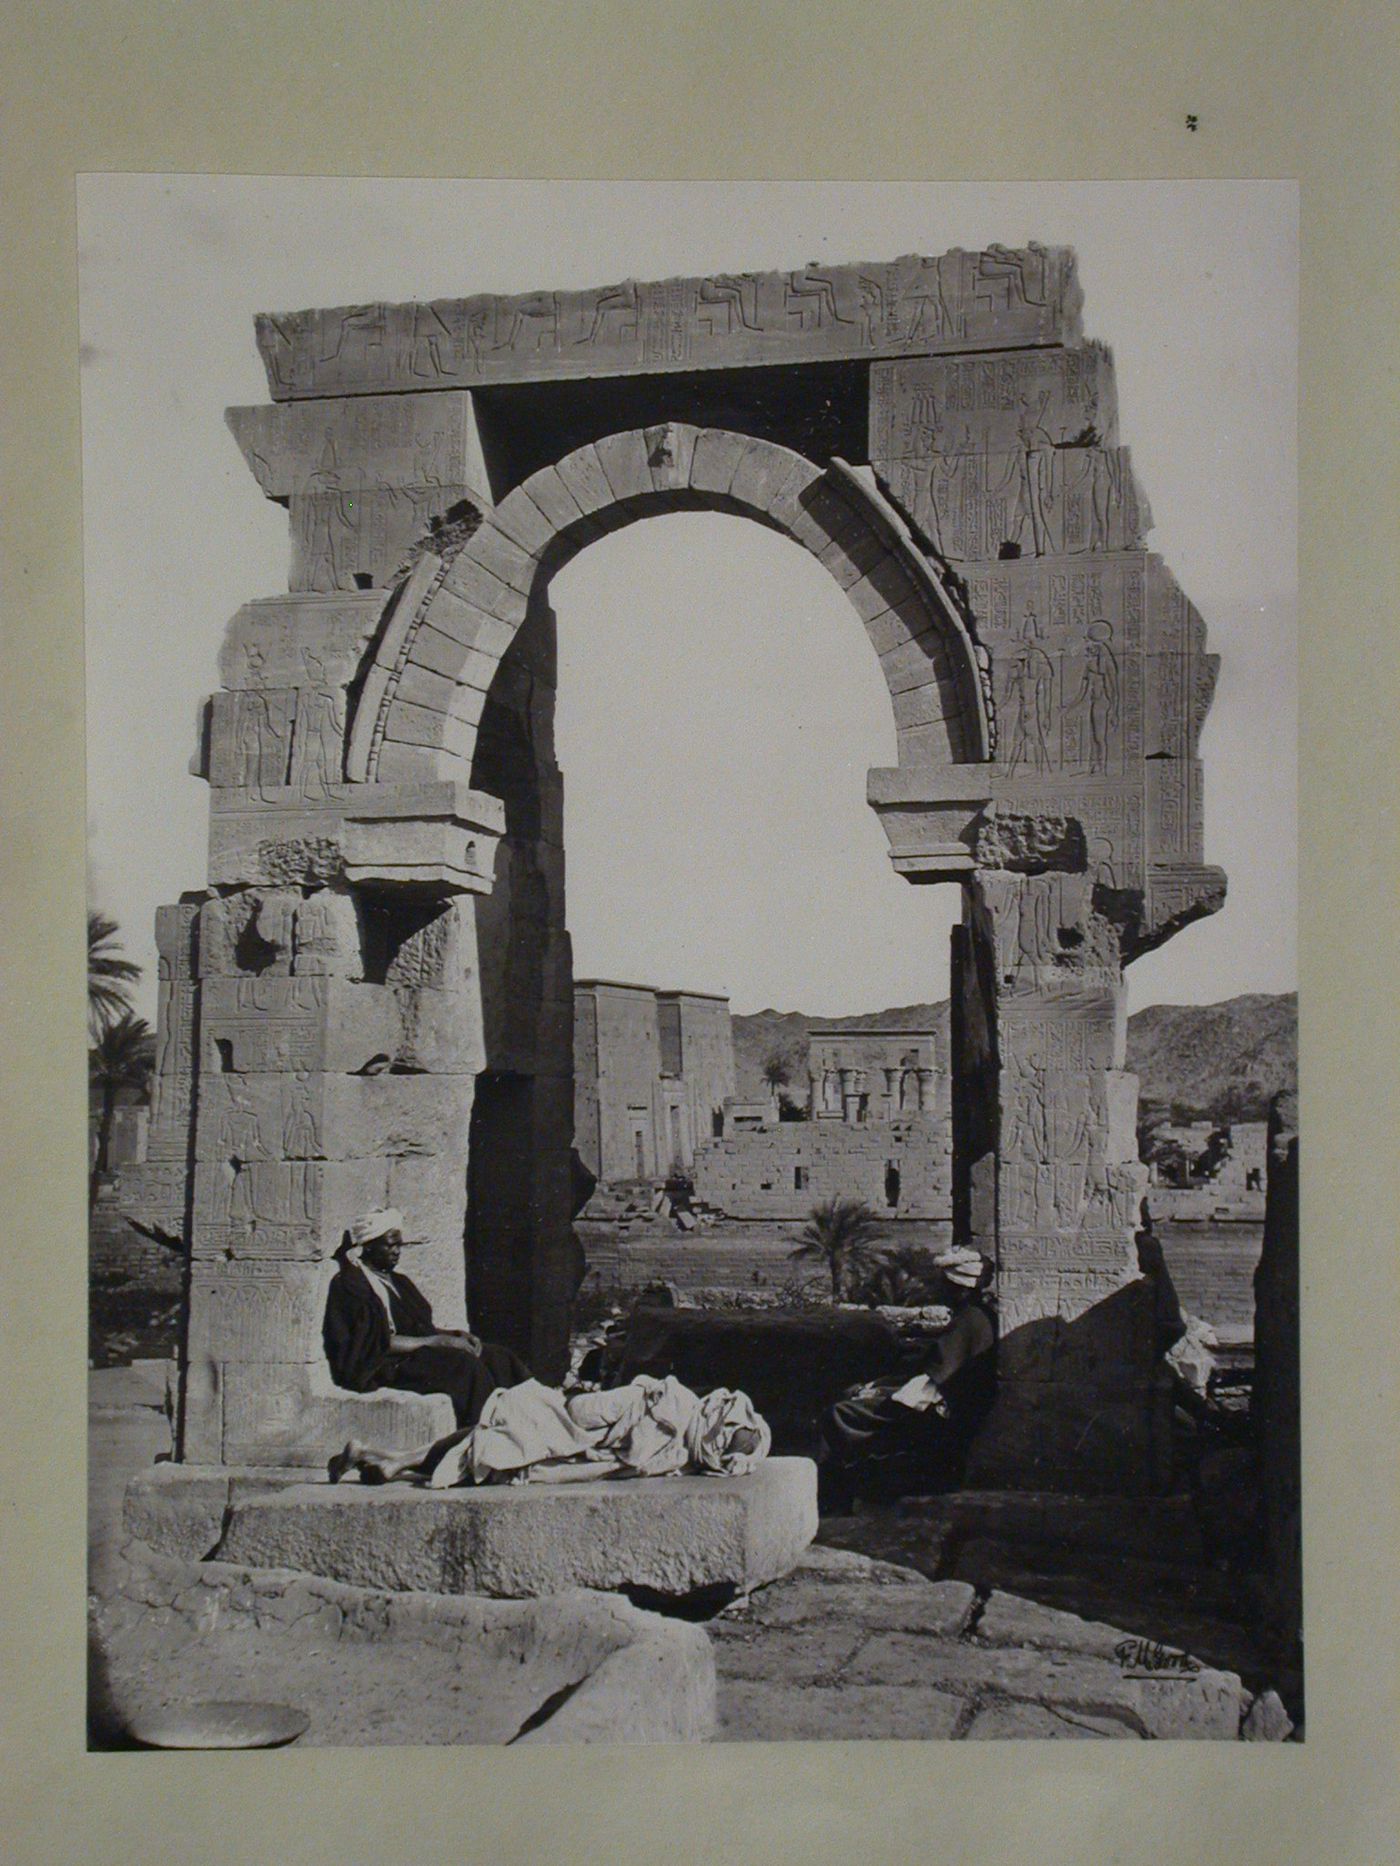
(692,961)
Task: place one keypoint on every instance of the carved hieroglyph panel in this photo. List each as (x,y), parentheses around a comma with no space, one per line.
(1035,502)
(311,1116)
(278,642)
(993,404)
(993,299)
(367,443)
(259,1026)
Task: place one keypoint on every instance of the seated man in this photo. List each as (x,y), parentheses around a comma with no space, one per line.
(379,1329)
(929,1419)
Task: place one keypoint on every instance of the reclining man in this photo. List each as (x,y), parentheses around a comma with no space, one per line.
(379,1329)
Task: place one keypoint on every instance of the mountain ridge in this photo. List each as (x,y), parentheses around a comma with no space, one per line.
(1195,1062)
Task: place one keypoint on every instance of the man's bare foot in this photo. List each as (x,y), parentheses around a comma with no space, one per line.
(344,1461)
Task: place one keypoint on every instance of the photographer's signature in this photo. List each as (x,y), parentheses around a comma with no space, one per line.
(1149,1655)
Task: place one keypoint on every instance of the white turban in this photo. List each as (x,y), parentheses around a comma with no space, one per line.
(375,1225)
(963,1267)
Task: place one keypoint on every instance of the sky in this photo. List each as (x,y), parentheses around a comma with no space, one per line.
(719,703)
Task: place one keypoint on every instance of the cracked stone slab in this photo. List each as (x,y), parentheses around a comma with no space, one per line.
(370,1667)
(846,1641)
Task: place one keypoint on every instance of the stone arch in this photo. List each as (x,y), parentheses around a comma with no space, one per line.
(425,679)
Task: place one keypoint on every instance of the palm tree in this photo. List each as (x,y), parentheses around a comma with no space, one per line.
(777,1072)
(121,1058)
(843,1233)
(109,975)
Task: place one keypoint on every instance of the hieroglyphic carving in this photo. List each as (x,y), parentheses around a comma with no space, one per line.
(318,730)
(256,1311)
(251,1025)
(1090,718)
(535,317)
(737,293)
(973,406)
(990,300)
(615,314)
(1026,701)
(265,642)
(810,296)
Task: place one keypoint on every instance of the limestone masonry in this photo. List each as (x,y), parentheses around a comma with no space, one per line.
(370,999)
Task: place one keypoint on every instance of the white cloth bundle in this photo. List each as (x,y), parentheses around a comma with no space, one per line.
(650,1428)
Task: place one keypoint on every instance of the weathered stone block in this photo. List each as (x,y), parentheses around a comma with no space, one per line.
(248,933)
(623,458)
(252,1026)
(292,1209)
(674,1535)
(442,1032)
(368,442)
(286,1415)
(501,559)
(278,641)
(370,1667)
(201,1416)
(439,852)
(257,1311)
(326,936)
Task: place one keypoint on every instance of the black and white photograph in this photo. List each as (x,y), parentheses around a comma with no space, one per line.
(692,961)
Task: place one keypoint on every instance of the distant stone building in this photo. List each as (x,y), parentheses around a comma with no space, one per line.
(1207,1169)
(879,1128)
(857,1076)
(652,1072)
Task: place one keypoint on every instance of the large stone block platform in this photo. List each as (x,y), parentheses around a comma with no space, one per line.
(669,1536)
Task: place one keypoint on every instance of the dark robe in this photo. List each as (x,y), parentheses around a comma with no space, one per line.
(874,1429)
(357,1339)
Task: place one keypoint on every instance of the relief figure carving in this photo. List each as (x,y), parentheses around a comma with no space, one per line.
(1093,713)
(260,751)
(1030,688)
(1105,495)
(318,733)
(872,309)
(933,315)
(301,1137)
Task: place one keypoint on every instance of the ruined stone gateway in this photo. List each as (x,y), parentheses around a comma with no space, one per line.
(370,1001)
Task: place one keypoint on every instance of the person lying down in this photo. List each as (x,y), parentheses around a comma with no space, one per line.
(534,1434)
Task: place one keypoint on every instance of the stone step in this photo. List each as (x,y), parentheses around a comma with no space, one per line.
(670,1536)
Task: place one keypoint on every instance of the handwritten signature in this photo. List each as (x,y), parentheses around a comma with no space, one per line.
(1149,1655)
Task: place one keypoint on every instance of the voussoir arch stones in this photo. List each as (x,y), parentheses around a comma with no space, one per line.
(427,674)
